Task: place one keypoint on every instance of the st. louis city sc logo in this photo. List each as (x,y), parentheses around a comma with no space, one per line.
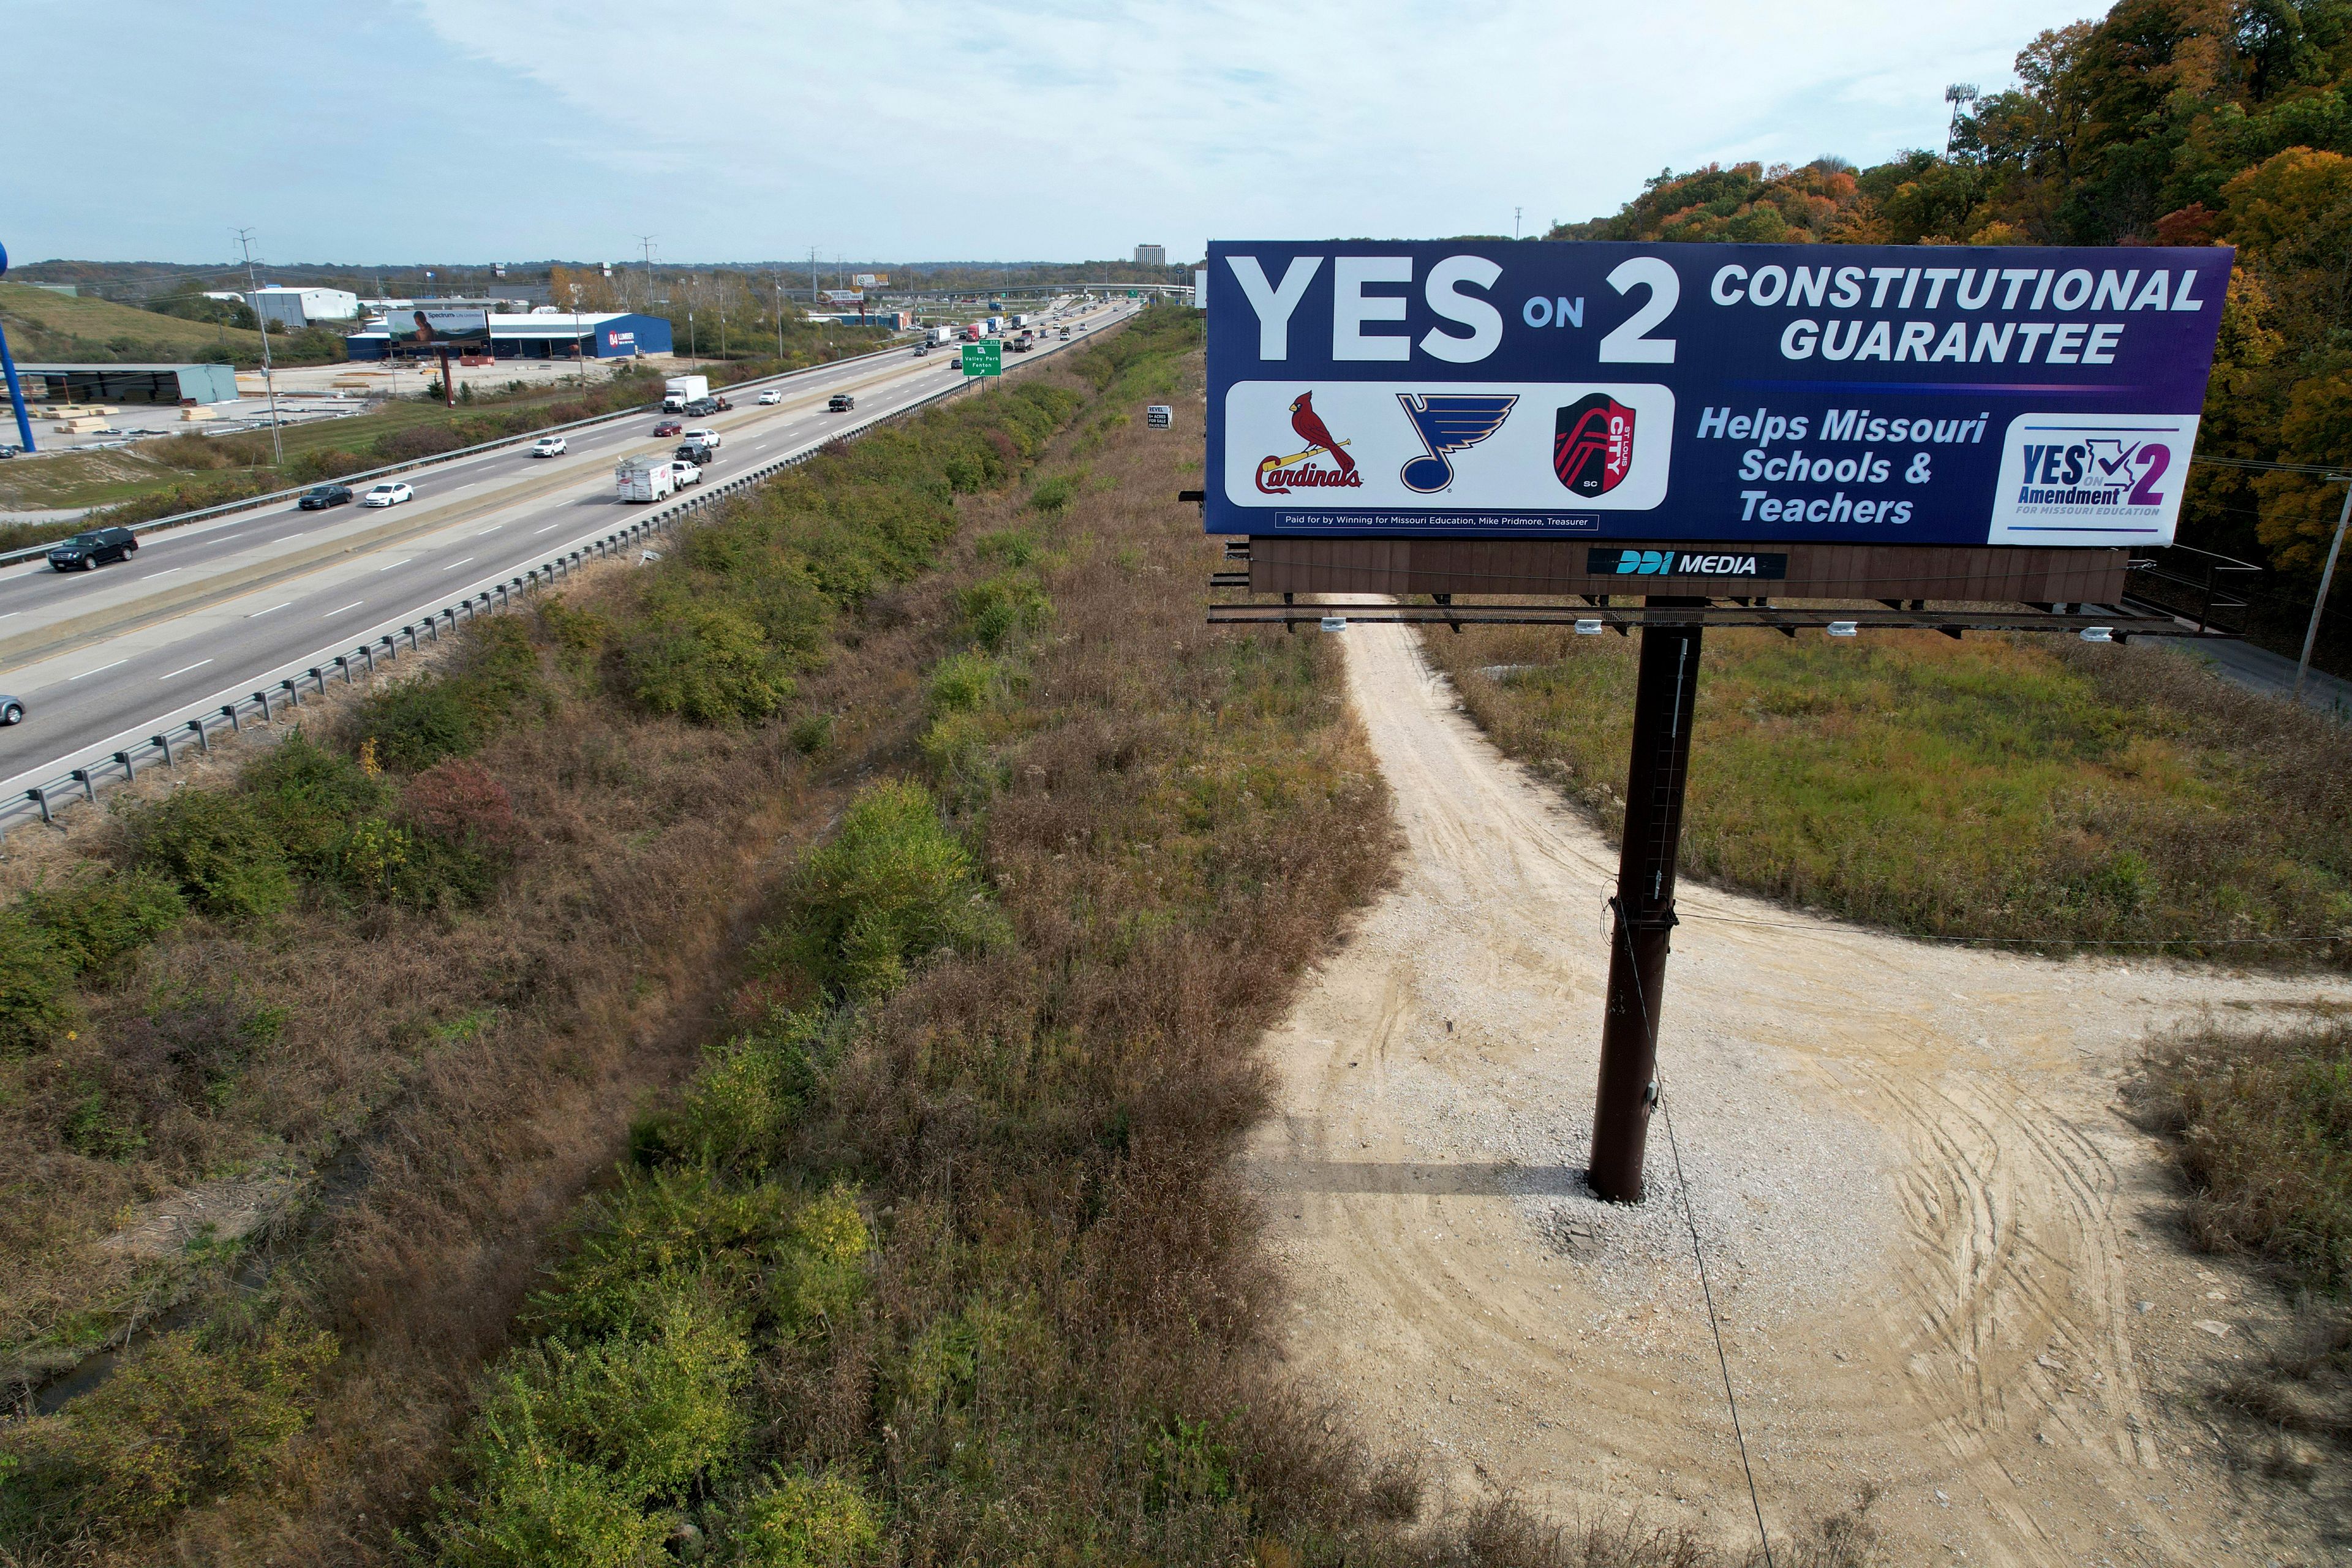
(1592,445)
(1447,422)
(1280,476)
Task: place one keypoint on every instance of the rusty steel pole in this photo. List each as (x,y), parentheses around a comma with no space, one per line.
(1664,692)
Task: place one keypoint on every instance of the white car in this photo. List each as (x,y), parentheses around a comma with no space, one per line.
(702,439)
(772,395)
(683,473)
(388,494)
(549,446)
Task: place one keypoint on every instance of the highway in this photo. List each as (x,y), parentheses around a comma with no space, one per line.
(202,614)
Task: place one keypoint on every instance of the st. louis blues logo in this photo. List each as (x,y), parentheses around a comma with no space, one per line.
(1446,423)
(1592,445)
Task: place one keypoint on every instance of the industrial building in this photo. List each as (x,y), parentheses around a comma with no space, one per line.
(298,308)
(541,335)
(171,384)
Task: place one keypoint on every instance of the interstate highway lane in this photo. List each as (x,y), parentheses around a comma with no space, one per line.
(143,658)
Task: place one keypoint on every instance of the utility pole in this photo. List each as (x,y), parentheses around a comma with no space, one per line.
(253,283)
(812,274)
(777,279)
(1515,221)
(647,241)
(2327,576)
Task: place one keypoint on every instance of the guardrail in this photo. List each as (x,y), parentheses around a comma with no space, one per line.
(281,692)
(407,465)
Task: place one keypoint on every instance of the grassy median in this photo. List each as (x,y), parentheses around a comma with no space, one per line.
(2023,791)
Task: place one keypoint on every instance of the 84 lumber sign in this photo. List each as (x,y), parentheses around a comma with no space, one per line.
(1800,394)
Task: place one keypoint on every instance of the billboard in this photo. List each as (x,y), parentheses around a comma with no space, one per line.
(842,297)
(1884,395)
(872,279)
(419,327)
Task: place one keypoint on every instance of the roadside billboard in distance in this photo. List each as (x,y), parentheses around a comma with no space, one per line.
(842,297)
(416,328)
(1882,394)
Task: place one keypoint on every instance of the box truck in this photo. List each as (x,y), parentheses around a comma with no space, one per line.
(644,479)
(680,390)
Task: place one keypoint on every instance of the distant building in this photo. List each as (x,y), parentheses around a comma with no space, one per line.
(181,384)
(1152,256)
(593,334)
(298,308)
(68,289)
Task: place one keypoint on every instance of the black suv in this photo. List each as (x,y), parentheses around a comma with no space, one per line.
(321,497)
(695,452)
(84,551)
(700,406)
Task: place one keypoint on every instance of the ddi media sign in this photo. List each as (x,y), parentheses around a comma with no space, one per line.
(1707,393)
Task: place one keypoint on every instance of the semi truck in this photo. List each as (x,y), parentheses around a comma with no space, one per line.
(680,390)
(941,336)
(644,479)
(995,324)
(1019,320)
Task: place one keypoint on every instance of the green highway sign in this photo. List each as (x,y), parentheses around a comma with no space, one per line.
(983,358)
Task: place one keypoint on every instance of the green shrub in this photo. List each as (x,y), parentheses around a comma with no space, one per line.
(997,607)
(416,723)
(36,1004)
(708,667)
(666,1227)
(308,797)
(1056,494)
(810,733)
(573,1450)
(819,1281)
(742,1104)
(184,1418)
(550,1512)
(966,682)
(806,1522)
(1007,546)
(96,917)
(892,885)
(215,849)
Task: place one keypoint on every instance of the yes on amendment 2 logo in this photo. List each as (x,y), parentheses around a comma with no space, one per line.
(2092,478)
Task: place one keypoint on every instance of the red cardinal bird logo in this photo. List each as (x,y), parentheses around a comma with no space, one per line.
(1279,476)
(1309,426)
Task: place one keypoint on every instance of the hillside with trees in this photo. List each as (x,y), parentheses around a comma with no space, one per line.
(2166,122)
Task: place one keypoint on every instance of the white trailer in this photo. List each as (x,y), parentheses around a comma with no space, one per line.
(644,479)
(680,390)
(940,337)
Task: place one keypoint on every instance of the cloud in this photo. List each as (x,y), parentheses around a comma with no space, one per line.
(743,130)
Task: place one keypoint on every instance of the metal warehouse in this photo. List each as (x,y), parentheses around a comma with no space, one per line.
(132,382)
(543,335)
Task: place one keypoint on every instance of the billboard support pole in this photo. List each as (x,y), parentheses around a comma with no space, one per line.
(2326,579)
(1643,912)
(448,381)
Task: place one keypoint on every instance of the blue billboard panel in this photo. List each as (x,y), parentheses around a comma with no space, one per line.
(1884,395)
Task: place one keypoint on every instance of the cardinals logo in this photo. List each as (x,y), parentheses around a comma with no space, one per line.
(1280,476)
(1446,424)
(1592,445)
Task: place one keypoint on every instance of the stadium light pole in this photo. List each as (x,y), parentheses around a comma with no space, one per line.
(276,443)
(2327,576)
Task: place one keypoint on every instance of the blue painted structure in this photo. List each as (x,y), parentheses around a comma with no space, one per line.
(8,365)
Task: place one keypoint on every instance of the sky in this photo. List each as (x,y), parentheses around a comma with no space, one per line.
(479,130)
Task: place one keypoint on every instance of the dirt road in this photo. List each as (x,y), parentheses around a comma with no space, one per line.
(1943,1261)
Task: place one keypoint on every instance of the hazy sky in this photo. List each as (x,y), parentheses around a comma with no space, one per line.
(926,130)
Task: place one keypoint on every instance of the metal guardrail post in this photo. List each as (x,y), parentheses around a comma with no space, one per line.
(266,716)
(41,794)
(129,773)
(165,740)
(90,790)
(203,736)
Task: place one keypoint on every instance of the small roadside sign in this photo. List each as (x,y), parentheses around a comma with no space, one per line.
(1159,416)
(983,358)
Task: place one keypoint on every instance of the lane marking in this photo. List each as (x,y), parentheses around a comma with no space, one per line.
(551,528)
(166,571)
(185,667)
(284,537)
(100,667)
(455,564)
(492,529)
(401,561)
(258,613)
(354,604)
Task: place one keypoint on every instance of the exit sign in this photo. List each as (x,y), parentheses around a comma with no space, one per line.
(983,359)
